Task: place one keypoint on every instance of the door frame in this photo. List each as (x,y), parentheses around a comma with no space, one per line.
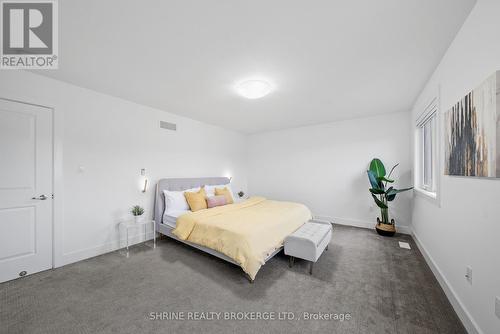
(57,173)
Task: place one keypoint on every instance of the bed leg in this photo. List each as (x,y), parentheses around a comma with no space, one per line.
(311,268)
(290,261)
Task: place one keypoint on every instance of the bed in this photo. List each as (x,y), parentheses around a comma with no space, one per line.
(247,233)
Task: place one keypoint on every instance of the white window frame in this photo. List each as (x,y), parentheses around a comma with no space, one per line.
(429,114)
(428,129)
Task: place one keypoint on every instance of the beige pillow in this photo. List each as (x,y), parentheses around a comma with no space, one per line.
(226,193)
(196,200)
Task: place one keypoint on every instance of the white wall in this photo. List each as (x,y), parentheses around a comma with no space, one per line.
(113,139)
(324,166)
(465,230)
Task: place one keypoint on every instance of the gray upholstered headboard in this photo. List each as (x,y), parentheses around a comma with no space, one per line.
(181,184)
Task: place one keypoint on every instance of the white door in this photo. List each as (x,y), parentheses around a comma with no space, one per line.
(25,189)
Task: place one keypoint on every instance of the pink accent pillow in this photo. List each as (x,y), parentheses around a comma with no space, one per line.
(214,201)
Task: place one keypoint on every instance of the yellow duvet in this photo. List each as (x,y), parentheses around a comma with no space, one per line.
(247,232)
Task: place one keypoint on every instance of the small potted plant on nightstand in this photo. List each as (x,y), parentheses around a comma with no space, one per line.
(137,212)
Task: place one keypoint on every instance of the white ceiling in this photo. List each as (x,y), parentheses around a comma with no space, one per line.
(329,60)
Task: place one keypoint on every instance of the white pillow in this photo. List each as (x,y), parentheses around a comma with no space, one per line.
(175,200)
(209,190)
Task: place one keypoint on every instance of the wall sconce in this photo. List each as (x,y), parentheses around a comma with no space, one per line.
(145,187)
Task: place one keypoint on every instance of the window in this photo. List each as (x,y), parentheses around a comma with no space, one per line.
(427,148)
(428,134)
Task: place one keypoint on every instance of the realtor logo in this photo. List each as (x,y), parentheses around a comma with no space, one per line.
(29,34)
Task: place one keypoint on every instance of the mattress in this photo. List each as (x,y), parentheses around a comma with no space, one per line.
(170,217)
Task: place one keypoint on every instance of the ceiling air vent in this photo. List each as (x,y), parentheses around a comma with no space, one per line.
(168,126)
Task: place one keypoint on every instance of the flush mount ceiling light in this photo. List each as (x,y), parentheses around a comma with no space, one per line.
(253,89)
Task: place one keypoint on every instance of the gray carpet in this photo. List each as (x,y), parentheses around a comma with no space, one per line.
(383,288)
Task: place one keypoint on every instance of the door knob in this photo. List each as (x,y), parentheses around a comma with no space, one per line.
(41,197)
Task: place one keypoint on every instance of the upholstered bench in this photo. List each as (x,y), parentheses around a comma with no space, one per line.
(309,241)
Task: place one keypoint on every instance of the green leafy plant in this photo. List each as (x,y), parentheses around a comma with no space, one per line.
(137,210)
(382,194)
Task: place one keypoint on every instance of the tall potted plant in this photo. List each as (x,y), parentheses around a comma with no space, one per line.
(382,195)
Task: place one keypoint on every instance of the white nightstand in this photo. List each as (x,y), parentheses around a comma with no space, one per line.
(131,224)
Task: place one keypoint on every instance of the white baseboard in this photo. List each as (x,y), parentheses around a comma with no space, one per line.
(87,253)
(462,312)
(360,223)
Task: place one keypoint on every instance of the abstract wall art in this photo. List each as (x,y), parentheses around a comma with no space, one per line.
(472,132)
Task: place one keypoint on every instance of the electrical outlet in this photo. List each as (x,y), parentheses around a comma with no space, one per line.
(468,274)
(497,307)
